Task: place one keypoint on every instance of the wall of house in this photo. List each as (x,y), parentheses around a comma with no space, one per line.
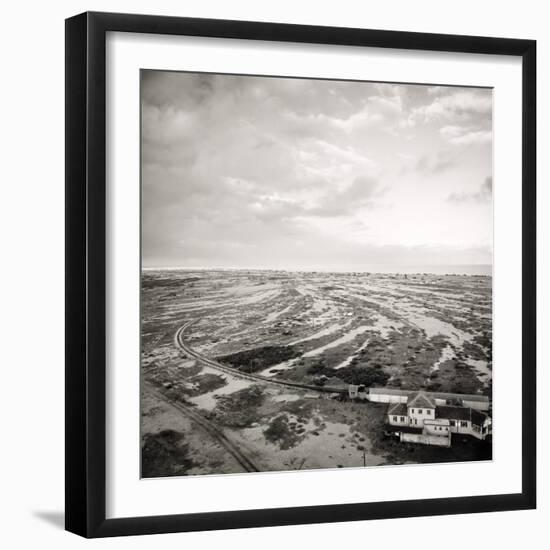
(465,430)
(398,422)
(476,431)
(459,429)
(427,414)
(436,429)
(426,439)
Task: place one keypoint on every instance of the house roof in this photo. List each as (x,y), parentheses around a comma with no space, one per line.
(398,409)
(478,417)
(463,396)
(420,399)
(453,413)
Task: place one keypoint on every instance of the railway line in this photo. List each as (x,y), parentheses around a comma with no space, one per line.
(216,433)
(190,352)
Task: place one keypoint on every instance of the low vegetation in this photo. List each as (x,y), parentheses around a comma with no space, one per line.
(165,454)
(257,359)
(284,432)
(320,330)
(239,409)
(366,376)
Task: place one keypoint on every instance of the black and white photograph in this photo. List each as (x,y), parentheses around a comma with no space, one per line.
(279,273)
(316,284)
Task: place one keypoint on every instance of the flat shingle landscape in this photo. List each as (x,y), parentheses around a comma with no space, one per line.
(263,359)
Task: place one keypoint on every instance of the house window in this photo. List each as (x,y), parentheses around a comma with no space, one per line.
(463,424)
(395,418)
(412,411)
(428,412)
(452,423)
(402,418)
(419,411)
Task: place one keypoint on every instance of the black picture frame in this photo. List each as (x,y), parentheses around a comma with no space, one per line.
(86,275)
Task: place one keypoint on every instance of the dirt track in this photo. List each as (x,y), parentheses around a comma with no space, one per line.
(190,352)
(208,427)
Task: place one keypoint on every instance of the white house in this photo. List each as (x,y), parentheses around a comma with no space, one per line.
(420,407)
(422,415)
(430,417)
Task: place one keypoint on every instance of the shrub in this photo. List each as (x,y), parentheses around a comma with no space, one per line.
(279,432)
(319,369)
(257,359)
(368,376)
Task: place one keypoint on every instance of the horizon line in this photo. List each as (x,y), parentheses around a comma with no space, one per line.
(327,270)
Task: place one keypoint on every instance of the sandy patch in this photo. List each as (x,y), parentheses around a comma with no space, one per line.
(348,337)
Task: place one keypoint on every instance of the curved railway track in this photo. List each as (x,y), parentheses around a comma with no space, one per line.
(190,352)
(216,433)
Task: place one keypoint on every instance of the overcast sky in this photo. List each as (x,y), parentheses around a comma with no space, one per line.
(310,174)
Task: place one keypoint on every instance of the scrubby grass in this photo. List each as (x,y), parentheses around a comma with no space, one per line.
(283,432)
(155,282)
(204,383)
(239,409)
(367,376)
(457,377)
(165,454)
(257,359)
(181,390)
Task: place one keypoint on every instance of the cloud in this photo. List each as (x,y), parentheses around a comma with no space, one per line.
(435,163)
(361,193)
(269,209)
(454,105)
(459,135)
(240,170)
(483,194)
(435,90)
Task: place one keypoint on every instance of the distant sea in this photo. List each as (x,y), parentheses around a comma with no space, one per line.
(465,269)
